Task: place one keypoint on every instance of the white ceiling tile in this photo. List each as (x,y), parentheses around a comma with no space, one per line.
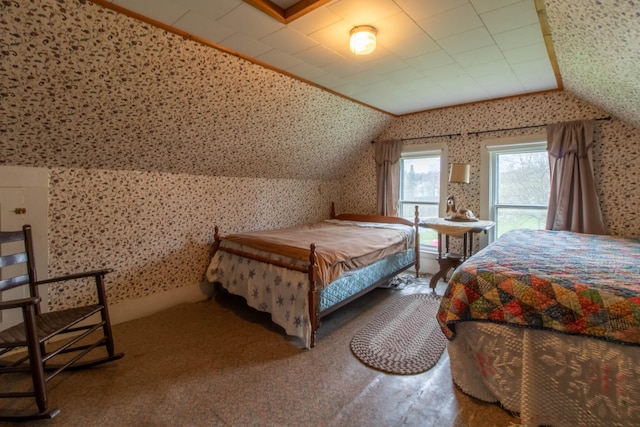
(523,36)
(483,6)
(250,21)
(536,75)
(404,75)
(364,12)
(537,66)
(334,37)
(346,68)
(245,45)
(403,37)
(422,85)
(210,9)
(451,22)
(347,89)
(495,68)
(479,56)
(378,89)
(279,59)
(318,56)
(166,11)
(465,42)
(446,73)
(421,9)
(306,71)
(536,83)
(314,21)
(492,82)
(527,53)
(414,46)
(503,90)
(364,78)
(430,60)
(517,15)
(288,41)
(460,83)
(329,81)
(386,64)
(201,26)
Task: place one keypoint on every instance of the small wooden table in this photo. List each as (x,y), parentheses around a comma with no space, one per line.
(465,230)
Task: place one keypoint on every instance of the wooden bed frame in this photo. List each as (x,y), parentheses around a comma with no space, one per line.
(312,268)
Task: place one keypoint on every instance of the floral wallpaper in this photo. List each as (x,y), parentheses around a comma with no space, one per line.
(87,87)
(596,45)
(616,153)
(155,229)
(152,139)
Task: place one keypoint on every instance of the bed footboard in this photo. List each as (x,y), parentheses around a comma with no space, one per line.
(311,269)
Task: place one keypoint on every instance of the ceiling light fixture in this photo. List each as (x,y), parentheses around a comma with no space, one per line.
(363,39)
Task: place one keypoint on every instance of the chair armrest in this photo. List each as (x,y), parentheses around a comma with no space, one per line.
(94,273)
(22,302)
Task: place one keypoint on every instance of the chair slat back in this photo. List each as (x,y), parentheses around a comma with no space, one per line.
(12,274)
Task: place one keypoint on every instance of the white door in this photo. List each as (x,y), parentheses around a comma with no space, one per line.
(24,200)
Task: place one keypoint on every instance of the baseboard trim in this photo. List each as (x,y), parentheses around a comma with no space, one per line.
(141,307)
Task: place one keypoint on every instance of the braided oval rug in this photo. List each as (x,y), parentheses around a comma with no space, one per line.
(405,339)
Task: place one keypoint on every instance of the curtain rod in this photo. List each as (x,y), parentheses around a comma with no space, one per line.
(450,135)
(521,127)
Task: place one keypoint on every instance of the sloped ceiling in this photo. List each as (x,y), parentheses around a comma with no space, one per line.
(429,54)
(85,87)
(597,44)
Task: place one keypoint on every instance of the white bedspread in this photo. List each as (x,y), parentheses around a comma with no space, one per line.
(549,378)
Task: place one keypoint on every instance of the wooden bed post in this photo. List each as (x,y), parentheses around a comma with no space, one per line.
(416,222)
(314,303)
(216,242)
(333,210)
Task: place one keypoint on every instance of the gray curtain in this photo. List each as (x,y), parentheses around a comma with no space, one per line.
(388,176)
(573,201)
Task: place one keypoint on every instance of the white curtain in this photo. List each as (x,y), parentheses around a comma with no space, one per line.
(388,176)
(573,200)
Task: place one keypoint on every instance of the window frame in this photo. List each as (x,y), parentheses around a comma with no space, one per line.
(427,150)
(489,149)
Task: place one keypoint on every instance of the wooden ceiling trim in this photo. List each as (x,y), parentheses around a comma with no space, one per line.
(289,14)
(541,9)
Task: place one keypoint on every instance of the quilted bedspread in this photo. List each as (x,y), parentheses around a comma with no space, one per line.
(555,280)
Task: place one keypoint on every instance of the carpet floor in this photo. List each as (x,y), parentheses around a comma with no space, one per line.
(221,363)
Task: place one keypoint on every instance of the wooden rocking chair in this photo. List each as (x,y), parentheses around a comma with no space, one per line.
(26,347)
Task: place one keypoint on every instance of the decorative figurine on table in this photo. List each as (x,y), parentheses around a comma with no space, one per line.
(455,214)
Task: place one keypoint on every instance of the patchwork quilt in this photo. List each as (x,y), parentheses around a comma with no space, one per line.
(568,282)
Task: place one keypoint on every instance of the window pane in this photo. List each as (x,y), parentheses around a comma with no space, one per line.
(512,218)
(408,210)
(523,178)
(421,179)
(427,236)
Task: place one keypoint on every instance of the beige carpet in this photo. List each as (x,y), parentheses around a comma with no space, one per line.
(220,363)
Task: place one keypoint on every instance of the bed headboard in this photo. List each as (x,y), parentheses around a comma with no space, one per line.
(375,218)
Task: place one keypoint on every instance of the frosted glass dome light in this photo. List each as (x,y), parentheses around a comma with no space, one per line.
(363,39)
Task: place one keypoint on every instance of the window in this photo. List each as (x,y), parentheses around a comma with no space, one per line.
(517,187)
(421,178)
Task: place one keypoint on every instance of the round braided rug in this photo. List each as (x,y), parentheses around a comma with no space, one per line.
(405,339)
